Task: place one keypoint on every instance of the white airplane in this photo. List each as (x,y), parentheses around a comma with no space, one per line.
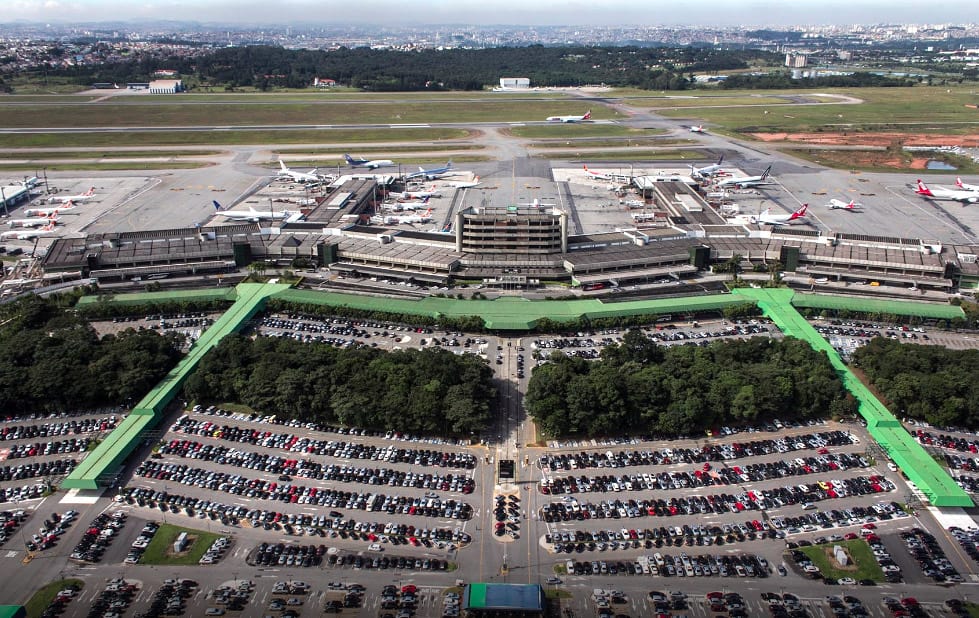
(965,186)
(708,170)
(938,193)
(836,204)
(766,218)
(747,181)
(432,174)
(406,205)
(28,234)
(50,210)
(425,217)
(34,221)
(285,172)
(697,129)
(582,118)
(258,215)
(72,198)
(608,176)
(537,204)
(466,185)
(415,195)
(369,164)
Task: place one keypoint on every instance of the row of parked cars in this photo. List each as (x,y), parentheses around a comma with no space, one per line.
(170,598)
(707,453)
(704,477)
(308,468)
(98,536)
(682,565)
(57,467)
(9,521)
(300,494)
(754,500)
(24,492)
(955,443)
(673,536)
(141,542)
(968,539)
(330,448)
(357,561)
(57,447)
(924,548)
(64,428)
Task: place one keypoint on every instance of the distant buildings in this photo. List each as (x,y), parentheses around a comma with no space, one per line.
(323,82)
(166,86)
(795,61)
(514,83)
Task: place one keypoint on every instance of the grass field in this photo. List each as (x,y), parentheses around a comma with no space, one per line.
(863,560)
(712,100)
(158,551)
(403,161)
(271,113)
(118,165)
(606,143)
(109,154)
(623,155)
(364,149)
(920,109)
(561,131)
(872,160)
(338,94)
(230,138)
(43,597)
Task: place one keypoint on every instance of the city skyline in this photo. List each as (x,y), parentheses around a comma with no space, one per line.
(721,13)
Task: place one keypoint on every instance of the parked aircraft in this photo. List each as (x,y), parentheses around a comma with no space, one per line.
(938,193)
(285,172)
(368,163)
(835,204)
(608,176)
(748,181)
(432,174)
(258,215)
(466,185)
(708,170)
(766,218)
(965,186)
(28,234)
(406,205)
(425,217)
(34,221)
(697,129)
(537,204)
(72,198)
(50,210)
(416,195)
(582,118)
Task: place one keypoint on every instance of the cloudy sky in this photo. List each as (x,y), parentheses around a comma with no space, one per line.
(510,12)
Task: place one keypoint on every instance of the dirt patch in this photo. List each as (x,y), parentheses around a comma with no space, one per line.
(846,138)
(863,159)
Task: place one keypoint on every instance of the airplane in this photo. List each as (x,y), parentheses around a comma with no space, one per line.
(582,118)
(835,204)
(466,185)
(285,172)
(697,129)
(965,186)
(369,164)
(416,195)
(938,193)
(72,198)
(748,181)
(708,170)
(51,210)
(425,217)
(537,204)
(608,176)
(765,218)
(28,234)
(407,205)
(257,215)
(34,221)
(432,174)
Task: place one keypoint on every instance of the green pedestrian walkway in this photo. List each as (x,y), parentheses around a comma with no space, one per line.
(917,464)
(109,455)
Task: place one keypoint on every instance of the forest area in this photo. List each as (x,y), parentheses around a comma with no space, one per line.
(266,67)
(430,392)
(925,382)
(52,360)
(643,388)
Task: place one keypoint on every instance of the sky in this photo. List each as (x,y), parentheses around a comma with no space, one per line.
(505,12)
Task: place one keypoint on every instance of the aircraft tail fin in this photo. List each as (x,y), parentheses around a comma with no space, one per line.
(767,171)
(720,159)
(216,205)
(587,115)
(90,192)
(799,213)
(958,182)
(282,165)
(923,189)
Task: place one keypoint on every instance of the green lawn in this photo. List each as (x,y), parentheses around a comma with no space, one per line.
(624,155)
(973,609)
(43,597)
(710,100)
(919,109)
(158,551)
(605,143)
(863,559)
(35,155)
(121,165)
(379,148)
(403,161)
(207,138)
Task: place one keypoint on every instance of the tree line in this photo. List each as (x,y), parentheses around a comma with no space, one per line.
(642,388)
(431,391)
(52,360)
(264,67)
(925,382)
